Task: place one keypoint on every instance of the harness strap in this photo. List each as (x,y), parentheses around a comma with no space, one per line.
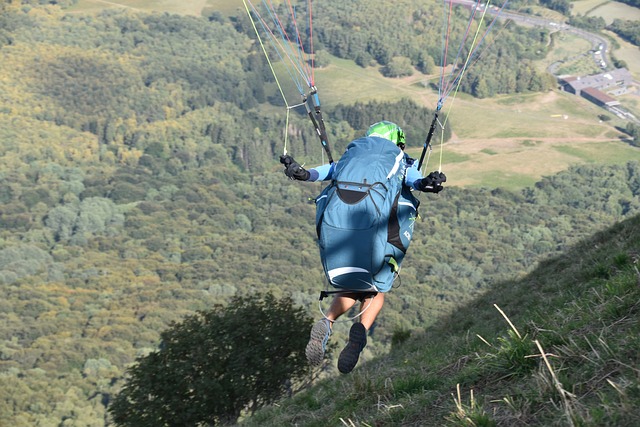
(312,105)
(427,142)
(359,295)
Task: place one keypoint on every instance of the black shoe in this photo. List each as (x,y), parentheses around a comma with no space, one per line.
(350,354)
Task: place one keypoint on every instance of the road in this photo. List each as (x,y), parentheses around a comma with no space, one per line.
(599,45)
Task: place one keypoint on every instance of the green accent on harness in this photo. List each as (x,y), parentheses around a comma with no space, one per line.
(394,265)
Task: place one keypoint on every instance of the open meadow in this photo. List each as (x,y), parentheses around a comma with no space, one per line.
(509,141)
(180,7)
(608,10)
(627,52)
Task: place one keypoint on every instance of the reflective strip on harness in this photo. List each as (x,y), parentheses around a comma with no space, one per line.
(408,204)
(396,165)
(345,270)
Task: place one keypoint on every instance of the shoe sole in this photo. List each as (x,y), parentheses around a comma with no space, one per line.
(351,353)
(316,346)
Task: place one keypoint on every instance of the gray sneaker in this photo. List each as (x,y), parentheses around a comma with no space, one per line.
(351,353)
(317,343)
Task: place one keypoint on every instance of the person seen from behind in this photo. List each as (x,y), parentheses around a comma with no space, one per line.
(372,300)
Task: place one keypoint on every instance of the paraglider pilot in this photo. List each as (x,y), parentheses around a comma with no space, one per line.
(348,222)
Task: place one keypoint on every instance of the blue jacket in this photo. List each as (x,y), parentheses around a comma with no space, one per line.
(364,228)
(325,172)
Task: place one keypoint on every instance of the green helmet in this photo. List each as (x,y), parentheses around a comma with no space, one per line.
(388,130)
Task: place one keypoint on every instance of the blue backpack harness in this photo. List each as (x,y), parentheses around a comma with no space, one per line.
(365,217)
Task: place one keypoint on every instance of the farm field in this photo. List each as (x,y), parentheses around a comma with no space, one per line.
(181,7)
(608,10)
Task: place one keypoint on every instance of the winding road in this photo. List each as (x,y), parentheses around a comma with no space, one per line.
(599,44)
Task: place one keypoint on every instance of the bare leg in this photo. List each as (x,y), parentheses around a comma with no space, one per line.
(340,305)
(371,308)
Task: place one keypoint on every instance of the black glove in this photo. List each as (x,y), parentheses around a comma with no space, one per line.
(432,183)
(293,169)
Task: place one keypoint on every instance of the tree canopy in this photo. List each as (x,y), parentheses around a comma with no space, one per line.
(214,364)
(411,39)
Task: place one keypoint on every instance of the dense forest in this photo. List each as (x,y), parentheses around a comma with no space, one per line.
(140,183)
(413,40)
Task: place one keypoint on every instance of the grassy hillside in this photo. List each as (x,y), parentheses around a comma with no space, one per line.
(558,347)
(181,7)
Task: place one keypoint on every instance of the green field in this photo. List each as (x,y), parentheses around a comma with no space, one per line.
(539,135)
(181,7)
(510,141)
(627,52)
(608,10)
(581,7)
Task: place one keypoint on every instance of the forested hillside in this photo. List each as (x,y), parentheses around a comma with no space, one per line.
(411,39)
(140,183)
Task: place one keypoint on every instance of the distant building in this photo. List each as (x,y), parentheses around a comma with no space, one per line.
(600,88)
(613,82)
(598,97)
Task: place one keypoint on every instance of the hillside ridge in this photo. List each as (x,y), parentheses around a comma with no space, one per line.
(483,364)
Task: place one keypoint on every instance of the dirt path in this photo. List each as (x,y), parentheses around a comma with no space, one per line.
(114,4)
(479,144)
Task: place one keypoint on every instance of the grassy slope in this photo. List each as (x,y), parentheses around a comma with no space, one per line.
(509,141)
(181,7)
(185,7)
(582,309)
